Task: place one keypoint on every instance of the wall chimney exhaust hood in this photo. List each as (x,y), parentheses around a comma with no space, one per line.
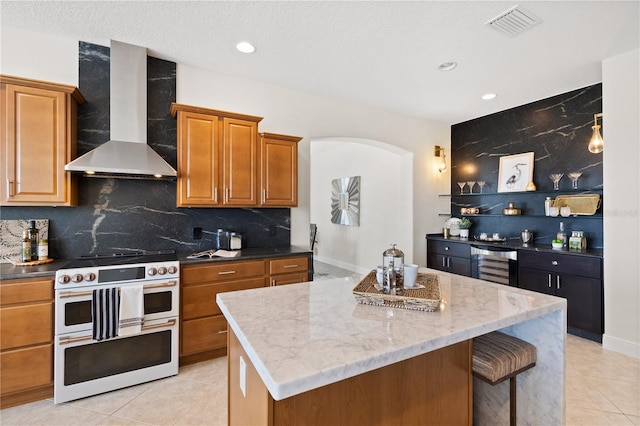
(127,154)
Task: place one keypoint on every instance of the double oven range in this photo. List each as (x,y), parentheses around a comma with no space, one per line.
(84,366)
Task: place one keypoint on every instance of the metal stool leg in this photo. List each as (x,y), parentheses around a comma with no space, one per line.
(512,401)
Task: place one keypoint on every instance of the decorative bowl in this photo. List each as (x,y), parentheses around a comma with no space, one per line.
(556,246)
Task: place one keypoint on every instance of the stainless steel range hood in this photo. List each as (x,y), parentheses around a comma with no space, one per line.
(127,154)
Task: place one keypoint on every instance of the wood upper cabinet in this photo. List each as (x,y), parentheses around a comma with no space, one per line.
(26,340)
(217,158)
(278,170)
(39,132)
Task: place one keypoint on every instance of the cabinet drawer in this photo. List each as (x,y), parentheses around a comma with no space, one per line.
(26,325)
(192,274)
(23,291)
(200,300)
(203,334)
(583,266)
(26,368)
(449,248)
(289,278)
(288,265)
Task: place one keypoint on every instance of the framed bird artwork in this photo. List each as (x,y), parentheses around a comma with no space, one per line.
(515,172)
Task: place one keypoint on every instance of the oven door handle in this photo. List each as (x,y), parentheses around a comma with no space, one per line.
(67,294)
(67,340)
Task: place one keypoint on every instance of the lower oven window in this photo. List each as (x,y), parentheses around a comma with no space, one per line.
(111,357)
(76,313)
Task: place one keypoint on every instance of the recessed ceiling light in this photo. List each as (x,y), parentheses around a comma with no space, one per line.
(488,96)
(447,66)
(245,47)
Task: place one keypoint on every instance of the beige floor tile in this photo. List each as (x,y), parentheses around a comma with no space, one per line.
(117,421)
(210,372)
(166,402)
(62,415)
(110,402)
(581,393)
(635,420)
(21,413)
(624,395)
(587,417)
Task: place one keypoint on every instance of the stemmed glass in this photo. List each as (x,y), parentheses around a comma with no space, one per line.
(471,183)
(461,185)
(481,183)
(555,177)
(574,176)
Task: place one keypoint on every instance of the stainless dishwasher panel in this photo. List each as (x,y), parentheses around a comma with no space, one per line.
(495,264)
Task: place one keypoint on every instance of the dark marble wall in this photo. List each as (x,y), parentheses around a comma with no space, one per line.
(122,214)
(557,130)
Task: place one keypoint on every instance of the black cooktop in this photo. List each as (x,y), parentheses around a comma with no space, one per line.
(122,258)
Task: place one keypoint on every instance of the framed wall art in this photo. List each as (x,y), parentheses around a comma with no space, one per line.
(516,171)
(345,201)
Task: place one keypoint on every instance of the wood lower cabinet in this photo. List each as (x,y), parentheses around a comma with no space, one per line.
(217,158)
(278,170)
(39,131)
(575,278)
(449,256)
(289,270)
(203,328)
(26,340)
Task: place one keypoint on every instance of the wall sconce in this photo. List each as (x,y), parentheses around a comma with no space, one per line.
(439,152)
(596,144)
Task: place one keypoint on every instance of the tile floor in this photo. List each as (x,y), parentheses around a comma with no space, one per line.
(603,388)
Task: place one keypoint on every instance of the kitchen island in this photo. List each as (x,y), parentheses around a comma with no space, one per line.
(309,353)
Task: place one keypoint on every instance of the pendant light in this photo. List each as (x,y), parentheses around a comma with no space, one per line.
(596,144)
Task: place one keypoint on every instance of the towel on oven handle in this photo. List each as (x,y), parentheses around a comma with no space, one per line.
(105,306)
(131,310)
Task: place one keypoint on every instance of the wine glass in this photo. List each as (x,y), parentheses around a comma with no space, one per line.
(481,183)
(574,176)
(555,177)
(461,185)
(471,183)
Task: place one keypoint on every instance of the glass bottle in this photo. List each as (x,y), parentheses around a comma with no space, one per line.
(562,235)
(33,238)
(547,205)
(43,249)
(26,246)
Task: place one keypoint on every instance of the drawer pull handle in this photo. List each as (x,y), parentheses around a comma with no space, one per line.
(10,186)
(549,280)
(223,331)
(215,195)
(558,282)
(226,272)
(554,263)
(290,266)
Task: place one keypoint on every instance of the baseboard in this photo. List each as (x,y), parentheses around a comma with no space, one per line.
(625,347)
(343,265)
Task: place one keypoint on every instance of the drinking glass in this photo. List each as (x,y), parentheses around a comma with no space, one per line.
(555,177)
(471,183)
(461,185)
(481,183)
(574,176)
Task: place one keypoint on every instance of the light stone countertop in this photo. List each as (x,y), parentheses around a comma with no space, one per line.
(303,336)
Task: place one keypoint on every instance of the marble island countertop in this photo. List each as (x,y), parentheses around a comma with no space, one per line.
(304,336)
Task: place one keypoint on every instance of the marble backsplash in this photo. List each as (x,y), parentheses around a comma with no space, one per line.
(557,130)
(125,215)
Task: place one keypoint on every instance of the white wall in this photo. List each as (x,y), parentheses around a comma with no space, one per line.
(621,134)
(386,200)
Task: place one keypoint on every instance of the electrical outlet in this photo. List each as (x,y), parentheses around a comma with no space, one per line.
(197,233)
(243,377)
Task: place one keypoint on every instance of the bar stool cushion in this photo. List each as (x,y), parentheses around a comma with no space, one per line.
(498,356)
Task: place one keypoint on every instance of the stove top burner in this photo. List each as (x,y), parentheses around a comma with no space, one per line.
(122,258)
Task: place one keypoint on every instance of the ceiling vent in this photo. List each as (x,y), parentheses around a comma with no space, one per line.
(514,21)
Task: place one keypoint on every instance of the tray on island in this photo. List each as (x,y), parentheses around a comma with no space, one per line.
(426,298)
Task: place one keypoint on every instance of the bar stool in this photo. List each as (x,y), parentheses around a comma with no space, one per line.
(498,357)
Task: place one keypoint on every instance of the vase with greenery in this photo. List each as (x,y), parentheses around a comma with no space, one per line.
(464,226)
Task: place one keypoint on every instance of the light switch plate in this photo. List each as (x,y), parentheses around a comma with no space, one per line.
(243,377)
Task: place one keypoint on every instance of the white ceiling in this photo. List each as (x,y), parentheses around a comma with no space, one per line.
(383,54)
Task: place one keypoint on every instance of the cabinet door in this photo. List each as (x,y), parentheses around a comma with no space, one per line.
(203,334)
(239,162)
(536,280)
(279,170)
(198,157)
(584,301)
(35,147)
(460,266)
(26,368)
(289,279)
